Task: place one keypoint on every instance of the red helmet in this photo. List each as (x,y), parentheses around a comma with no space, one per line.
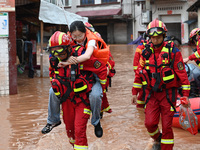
(60,40)
(89,26)
(193,33)
(155,28)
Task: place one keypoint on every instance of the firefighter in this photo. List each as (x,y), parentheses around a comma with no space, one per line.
(111,72)
(95,95)
(94,59)
(105,107)
(160,72)
(194,38)
(53,119)
(71,86)
(138,53)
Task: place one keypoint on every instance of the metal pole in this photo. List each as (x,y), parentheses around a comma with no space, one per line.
(41,52)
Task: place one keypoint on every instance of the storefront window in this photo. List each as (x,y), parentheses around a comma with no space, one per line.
(108,1)
(86,2)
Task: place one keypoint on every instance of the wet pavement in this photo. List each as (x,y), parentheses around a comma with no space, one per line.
(24,115)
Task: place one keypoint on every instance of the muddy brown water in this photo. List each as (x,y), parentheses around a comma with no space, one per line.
(24,115)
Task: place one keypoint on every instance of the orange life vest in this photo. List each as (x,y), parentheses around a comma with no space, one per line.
(102,50)
(93,64)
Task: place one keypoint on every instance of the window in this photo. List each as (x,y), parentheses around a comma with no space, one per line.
(108,1)
(64,2)
(86,2)
(60,2)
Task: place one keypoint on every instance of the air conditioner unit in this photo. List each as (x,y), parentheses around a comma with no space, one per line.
(146,17)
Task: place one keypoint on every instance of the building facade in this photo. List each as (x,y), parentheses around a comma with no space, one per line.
(174,14)
(122,21)
(118,21)
(107,17)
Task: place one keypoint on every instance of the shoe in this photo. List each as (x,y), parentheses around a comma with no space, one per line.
(156,146)
(98,130)
(157,143)
(49,127)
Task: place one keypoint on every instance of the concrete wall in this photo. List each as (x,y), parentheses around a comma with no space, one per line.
(4,68)
(137,21)
(173,12)
(75,9)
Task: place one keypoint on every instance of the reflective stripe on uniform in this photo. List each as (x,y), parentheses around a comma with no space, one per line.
(171,109)
(164,62)
(164,49)
(103,81)
(147,62)
(71,140)
(144,82)
(147,67)
(197,54)
(167,141)
(153,133)
(135,67)
(106,109)
(137,85)
(168,77)
(77,48)
(79,147)
(186,87)
(81,66)
(140,102)
(87,111)
(80,89)
(57,93)
(56,72)
(110,67)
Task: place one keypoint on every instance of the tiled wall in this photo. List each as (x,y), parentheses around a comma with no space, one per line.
(4,71)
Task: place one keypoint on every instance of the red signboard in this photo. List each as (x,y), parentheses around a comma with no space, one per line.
(169,12)
(7,5)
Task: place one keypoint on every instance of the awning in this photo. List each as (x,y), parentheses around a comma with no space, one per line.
(94,13)
(190,21)
(194,7)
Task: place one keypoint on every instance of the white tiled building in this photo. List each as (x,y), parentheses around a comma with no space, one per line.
(4,71)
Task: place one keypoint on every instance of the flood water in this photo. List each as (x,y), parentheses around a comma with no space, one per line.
(24,115)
